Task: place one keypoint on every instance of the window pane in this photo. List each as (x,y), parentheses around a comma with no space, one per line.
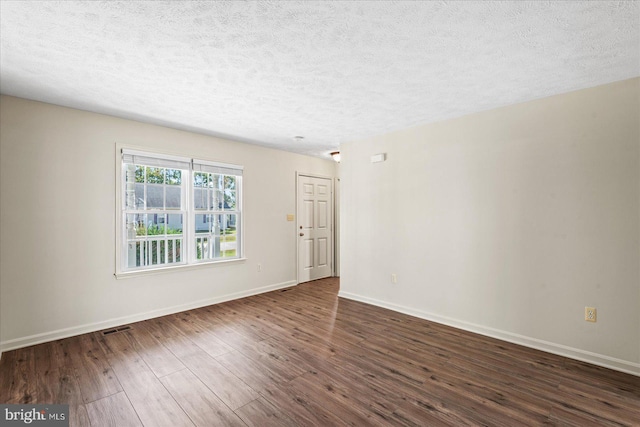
(162,253)
(135,257)
(174,224)
(223,223)
(170,251)
(216,223)
(230,222)
(139,173)
(178,250)
(229,200)
(217,181)
(229,182)
(229,240)
(139,196)
(203,224)
(153,252)
(155,175)
(135,225)
(216,200)
(174,197)
(174,177)
(156,224)
(155,196)
(200,179)
(199,247)
(207,247)
(199,198)
(215,247)
(129,173)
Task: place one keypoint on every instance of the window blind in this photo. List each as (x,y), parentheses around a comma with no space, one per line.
(219,168)
(154,160)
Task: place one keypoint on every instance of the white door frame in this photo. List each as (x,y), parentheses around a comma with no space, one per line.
(297,227)
(336,226)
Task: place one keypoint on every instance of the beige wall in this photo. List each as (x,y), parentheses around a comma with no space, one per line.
(57,223)
(507,222)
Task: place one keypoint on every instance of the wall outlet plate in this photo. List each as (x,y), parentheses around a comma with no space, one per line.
(590,314)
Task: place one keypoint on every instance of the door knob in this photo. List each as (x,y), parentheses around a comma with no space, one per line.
(302,234)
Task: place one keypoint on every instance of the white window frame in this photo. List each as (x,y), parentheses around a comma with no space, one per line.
(188,247)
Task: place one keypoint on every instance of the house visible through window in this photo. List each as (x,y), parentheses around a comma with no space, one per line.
(178,211)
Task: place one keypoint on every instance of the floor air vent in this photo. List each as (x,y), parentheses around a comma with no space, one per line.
(115,330)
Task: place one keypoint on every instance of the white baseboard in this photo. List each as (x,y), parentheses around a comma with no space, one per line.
(97,326)
(549,347)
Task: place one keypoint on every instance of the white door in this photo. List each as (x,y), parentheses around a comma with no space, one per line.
(315,228)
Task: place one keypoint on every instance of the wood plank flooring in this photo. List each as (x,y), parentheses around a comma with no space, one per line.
(304,357)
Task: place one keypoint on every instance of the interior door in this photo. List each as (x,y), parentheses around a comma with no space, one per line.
(315,228)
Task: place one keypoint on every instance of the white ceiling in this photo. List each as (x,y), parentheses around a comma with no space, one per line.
(263,72)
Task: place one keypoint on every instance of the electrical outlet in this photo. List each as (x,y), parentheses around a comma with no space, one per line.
(590,314)
(394,278)
(259,267)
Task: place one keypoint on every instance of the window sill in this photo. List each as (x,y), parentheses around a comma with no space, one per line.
(162,270)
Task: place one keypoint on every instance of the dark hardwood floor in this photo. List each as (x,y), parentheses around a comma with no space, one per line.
(303,357)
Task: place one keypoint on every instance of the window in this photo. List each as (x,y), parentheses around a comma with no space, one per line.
(178,211)
(216,210)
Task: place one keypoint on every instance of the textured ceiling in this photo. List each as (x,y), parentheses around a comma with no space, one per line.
(263,72)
